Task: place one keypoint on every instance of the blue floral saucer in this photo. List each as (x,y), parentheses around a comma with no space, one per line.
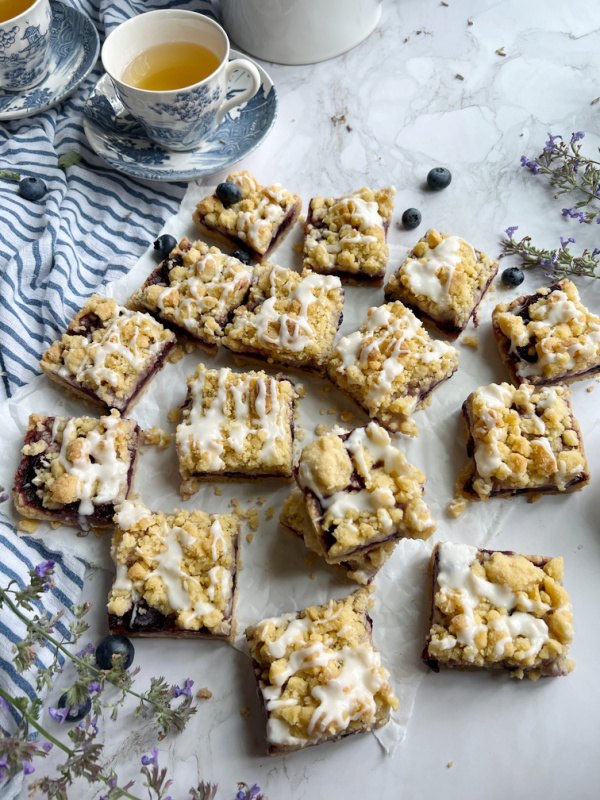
(74,46)
(119,140)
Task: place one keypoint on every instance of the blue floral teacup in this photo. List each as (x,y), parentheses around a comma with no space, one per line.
(24,45)
(176,118)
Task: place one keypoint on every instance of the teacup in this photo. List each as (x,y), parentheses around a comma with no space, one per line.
(24,43)
(143,52)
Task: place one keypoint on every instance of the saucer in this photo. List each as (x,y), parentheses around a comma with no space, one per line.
(119,139)
(74,46)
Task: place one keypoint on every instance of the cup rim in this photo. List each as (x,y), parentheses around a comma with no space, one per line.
(170,12)
(22,14)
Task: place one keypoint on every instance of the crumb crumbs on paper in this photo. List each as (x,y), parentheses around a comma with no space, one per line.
(174,415)
(470,21)
(450,764)
(321,429)
(157,437)
(270,512)
(533,498)
(457,507)
(249,538)
(300,434)
(590,389)
(204,694)
(176,354)
(218,490)
(459,77)
(470,341)
(28,525)
(501,52)
(245,712)
(301,390)
(56,524)
(346,416)
(261,500)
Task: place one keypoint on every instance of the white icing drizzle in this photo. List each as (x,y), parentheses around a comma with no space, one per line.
(259,224)
(218,541)
(294,632)
(101,474)
(129,513)
(422,274)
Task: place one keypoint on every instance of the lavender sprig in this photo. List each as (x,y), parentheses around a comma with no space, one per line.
(569,171)
(559,263)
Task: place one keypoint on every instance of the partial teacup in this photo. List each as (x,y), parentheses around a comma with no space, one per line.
(24,43)
(170,69)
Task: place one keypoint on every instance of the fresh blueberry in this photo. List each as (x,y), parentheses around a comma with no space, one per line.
(112,646)
(164,244)
(512,276)
(32,189)
(77,712)
(229,193)
(438,178)
(242,256)
(411,218)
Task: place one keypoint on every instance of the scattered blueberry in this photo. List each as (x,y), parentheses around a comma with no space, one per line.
(32,188)
(114,646)
(411,218)
(242,256)
(512,276)
(164,244)
(77,712)
(229,193)
(439,178)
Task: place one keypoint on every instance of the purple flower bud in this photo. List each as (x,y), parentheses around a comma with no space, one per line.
(564,243)
(509,231)
(177,691)
(46,746)
(112,782)
(151,759)
(28,768)
(87,651)
(4,704)
(254,792)
(43,569)
(550,146)
(94,687)
(58,714)
(575,137)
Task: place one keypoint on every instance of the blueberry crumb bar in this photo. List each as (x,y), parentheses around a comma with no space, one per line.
(495,609)
(176,573)
(235,426)
(391,365)
(346,236)
(258,222)
(522,440)
(319,676)
(108,354)
(548,337)
(74,470)
(443,279)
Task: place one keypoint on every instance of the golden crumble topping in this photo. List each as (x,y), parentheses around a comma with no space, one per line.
(361,491)
(444,278)
(235,424)
(390,365)
(319,675)
(183,565)
(523,439)
(259,220)
(499,610)
(347,235)
(75,460)
(107,351)
(289,318)
(196,289)
(548,337)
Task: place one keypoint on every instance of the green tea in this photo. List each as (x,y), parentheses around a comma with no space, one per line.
(170,66)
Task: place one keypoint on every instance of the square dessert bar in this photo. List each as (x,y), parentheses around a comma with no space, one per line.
(391,365)
(108,353)
(75,470)
(443,279)
(346,236)
(548,337)
(319,676)
(360,492)
(176,573)
(235,425)
(289,319)
(522,440)
(493,609)
(196,290)
(362,569)
(258,222)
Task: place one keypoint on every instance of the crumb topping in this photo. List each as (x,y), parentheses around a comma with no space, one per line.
(289,318)
(443,276)
(84,460)
(348,234)
(549,335)
(182,564)
(256,218)
(199,289)
(492,607)
(366,491)
(523,437)
(236,422)
(107,348)
(390,364)
(320,676)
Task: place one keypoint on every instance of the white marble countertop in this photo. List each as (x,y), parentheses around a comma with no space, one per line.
(385,113)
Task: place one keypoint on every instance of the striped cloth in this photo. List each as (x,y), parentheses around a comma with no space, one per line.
(90,227)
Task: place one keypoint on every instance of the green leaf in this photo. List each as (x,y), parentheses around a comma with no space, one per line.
(68,159)
(10,175)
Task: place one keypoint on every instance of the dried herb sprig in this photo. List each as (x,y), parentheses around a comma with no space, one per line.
(559,263)
(570,171)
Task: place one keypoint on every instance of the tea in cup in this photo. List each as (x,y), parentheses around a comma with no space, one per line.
(170,69)
(24,43)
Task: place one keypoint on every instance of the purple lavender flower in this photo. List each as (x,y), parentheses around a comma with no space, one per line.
(549,146)
(509,231)
(577,136)
(4,704)
(94,687)
(3,766)
(28,768)
(46,746)
(531,165)
(564,243)
(88,650)
(573,213)
(151,759)
(245,793)
(186,691)
(58,714)
(43,569)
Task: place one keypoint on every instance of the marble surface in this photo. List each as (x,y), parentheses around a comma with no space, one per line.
(386,112)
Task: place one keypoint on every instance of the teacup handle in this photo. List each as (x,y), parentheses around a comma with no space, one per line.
(247,66)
